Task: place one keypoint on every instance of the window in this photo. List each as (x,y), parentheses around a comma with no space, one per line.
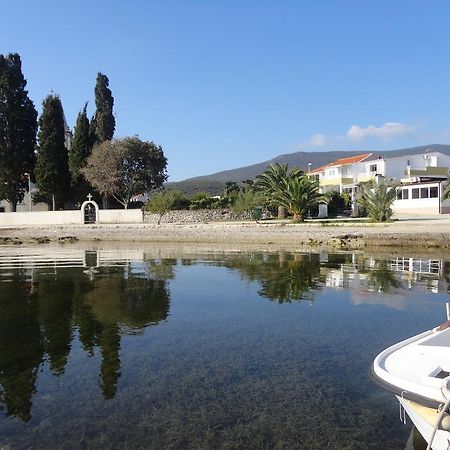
(373,168)
(434,192)
(415,193)
(424,193)
(402,194)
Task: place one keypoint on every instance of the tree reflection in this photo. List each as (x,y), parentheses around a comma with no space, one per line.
(283,277)
(381,278)
(40,321)
(21,346)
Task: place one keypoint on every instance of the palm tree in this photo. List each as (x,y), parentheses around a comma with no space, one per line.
(446,192)
(378,200)
(271,181)
(298,195)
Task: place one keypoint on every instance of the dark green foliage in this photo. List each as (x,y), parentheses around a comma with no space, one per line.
(52,167)
(103,123)
(269,182)
(18,127)
(338,203)
(81,146)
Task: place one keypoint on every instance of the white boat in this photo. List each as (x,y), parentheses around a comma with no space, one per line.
(417,371)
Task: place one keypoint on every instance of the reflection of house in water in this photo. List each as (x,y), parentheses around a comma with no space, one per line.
(371,275)
(414,270)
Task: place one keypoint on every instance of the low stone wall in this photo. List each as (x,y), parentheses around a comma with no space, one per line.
(197,215)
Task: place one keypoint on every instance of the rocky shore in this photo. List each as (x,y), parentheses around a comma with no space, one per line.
(425,233)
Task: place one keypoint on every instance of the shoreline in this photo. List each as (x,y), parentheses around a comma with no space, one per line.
(411,234)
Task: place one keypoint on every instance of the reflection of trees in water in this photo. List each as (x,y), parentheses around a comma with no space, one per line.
(41,321)
(21,346)
(283,277)
(381,278)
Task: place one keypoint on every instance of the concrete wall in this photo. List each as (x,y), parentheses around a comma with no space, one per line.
(120,216)
(69,217)
(41,218)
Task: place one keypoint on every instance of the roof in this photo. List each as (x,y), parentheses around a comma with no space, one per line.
(342,162)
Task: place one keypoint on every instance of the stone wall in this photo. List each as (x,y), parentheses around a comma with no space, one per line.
(197,215)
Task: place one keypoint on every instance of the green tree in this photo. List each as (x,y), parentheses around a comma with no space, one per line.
(299,195)
(247,200)
(270,181)
(231,189)
(126,167)
(81,146)
(18,127)
(162,202)
(103,122)
(446,192)
(52,166)
(377,200)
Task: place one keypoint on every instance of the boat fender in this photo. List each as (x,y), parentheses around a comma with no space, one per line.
(445,423)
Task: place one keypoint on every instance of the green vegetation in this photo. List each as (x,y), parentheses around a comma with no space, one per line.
(377,200)
(299,195)
(52,168)
(103,122)
(126,167)
(18,127)
(247,200)
(162,202)
(81,146)
(270,182)
(446,192)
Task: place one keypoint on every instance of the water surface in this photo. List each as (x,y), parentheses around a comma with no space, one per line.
(118,349)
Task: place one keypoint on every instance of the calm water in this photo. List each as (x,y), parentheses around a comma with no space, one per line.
(118,349)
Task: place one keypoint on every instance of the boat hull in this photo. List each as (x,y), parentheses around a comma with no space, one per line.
(424,419)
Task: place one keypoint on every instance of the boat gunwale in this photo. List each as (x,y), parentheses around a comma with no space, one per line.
(393,382)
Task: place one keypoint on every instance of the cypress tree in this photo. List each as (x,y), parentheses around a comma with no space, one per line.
(52,167)
(18,127)
(81,146)
(103,123)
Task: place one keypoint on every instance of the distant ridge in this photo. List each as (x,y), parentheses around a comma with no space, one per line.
(215,182)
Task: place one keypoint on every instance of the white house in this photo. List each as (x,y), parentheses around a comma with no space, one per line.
(422,177)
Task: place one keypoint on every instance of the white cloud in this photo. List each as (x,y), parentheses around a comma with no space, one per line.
(318,140)
(387,131)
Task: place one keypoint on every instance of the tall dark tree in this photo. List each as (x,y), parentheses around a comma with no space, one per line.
(81,146)
(103,122)
(52,167)
(18,127)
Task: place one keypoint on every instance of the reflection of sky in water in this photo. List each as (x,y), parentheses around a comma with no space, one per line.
(239,350)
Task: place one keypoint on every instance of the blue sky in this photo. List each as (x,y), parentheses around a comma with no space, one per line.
(222,84)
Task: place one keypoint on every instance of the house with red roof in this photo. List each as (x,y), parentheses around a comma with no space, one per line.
(421,178)
(338,175)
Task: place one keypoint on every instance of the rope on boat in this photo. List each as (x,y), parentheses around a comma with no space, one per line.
(438,422)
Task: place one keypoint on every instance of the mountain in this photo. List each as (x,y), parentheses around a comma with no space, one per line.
(215,182)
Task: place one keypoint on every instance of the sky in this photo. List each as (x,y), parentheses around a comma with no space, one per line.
(220,84)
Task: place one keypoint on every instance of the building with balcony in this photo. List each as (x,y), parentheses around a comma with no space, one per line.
(421,178)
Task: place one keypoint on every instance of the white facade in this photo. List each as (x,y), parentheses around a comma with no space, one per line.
(421,199)
(430,165)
